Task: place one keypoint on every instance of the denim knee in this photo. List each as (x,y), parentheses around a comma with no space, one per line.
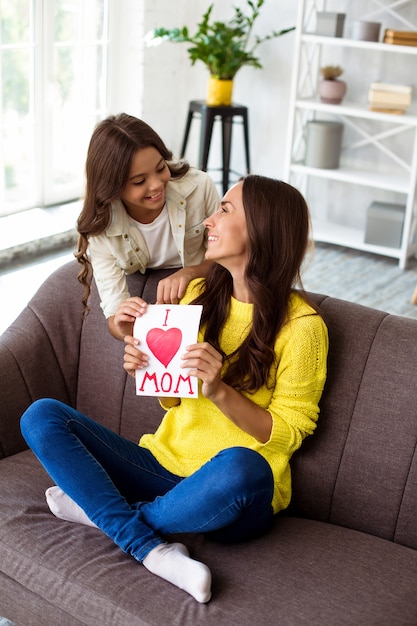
(247,467)
(35,423)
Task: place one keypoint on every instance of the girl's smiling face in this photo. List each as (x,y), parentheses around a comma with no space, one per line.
(227,233)
(144,193)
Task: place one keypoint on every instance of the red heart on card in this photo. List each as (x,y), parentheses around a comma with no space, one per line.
(164,344)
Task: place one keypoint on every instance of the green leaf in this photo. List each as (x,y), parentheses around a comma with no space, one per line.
(224,47)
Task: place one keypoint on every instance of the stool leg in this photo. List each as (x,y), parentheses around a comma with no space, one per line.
(226,144)
(186,133)
(207,119)
(246,137)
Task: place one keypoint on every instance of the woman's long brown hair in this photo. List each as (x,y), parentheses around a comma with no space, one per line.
(113,144)
(278,223)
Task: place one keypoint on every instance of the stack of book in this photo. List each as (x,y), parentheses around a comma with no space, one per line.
(400,37)
(389,97)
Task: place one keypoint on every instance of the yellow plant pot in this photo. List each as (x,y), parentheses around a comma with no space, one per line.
(219,92)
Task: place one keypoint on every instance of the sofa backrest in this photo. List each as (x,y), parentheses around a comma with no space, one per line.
(358,470)
(360,467)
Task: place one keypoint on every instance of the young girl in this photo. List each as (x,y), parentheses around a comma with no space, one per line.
(141,210)
(218,464)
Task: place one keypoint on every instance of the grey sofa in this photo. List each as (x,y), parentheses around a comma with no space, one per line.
(345,553)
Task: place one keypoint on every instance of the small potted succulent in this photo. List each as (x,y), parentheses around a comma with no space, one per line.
(224,47)
(330,89)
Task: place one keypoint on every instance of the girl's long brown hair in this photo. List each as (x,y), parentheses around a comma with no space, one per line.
(278,224)
(113,144)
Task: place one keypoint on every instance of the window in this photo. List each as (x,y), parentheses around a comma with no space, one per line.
(53,91)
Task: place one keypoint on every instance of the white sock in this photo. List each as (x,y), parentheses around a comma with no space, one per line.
(172,562)
(63,507)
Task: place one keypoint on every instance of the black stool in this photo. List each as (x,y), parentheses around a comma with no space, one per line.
(208,114)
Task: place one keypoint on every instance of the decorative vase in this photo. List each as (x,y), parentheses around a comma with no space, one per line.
(332,91)
(219,92)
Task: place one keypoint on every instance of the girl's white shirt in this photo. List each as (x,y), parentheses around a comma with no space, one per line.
(161,246)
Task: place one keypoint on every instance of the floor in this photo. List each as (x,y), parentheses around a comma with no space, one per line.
(361,277)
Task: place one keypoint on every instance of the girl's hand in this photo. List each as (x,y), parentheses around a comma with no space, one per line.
(134,359)
(171,289)
(205,362)
(121,323)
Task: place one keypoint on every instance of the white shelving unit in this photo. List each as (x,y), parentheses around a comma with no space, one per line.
(379,153)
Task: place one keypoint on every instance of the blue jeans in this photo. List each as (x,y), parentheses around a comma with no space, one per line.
(133,499)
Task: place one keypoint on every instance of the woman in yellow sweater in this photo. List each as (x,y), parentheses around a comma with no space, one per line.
(218,464)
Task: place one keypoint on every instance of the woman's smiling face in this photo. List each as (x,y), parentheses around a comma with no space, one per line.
(144,192)
(227,232)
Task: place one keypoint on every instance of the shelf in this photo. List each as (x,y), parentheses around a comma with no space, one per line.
(349,237)
(356,109)
(344,42)
(379,150)
(358,176)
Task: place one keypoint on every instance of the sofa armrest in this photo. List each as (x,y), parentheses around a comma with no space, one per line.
(39,353)
(49,351)
(28,370)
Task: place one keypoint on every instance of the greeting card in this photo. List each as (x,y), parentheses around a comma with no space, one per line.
(164,332)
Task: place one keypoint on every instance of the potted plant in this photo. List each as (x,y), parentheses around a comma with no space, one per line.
(224,47)
(330,89)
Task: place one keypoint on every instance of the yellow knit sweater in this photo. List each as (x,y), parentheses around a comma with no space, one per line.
(195,430)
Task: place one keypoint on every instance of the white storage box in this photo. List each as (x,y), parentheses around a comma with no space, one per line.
(384,224)
(330,24)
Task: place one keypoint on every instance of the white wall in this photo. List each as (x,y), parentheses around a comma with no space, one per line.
(157,83)
(170,82)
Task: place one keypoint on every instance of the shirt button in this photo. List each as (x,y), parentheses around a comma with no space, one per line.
(179,225)
(125,236)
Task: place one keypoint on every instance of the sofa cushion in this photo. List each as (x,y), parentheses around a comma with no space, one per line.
(302,572)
